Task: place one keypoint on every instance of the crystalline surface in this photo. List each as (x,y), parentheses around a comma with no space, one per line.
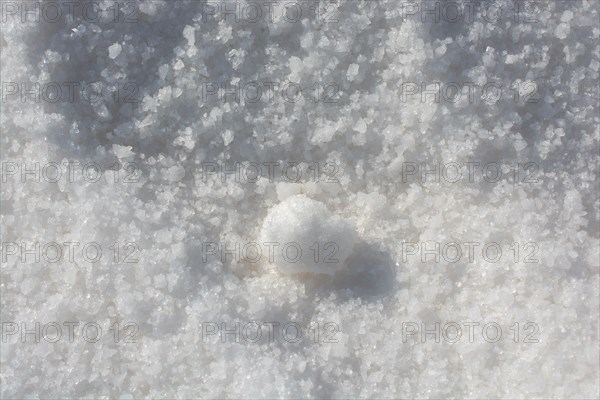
(342,162)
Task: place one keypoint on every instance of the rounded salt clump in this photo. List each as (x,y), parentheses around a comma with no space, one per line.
(307,237)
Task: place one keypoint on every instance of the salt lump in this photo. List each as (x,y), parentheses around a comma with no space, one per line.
(308,237)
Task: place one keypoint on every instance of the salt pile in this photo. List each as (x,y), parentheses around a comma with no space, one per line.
(453,162)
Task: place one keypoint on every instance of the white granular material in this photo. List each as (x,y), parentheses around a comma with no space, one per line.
(382,322)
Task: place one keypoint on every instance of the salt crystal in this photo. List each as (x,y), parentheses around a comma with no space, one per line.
(178,65)
(566,16)
(561,31)
(189,33)
(174,173)
(227,137)
(361,126)
(122,151)
(114,50)
(352,72)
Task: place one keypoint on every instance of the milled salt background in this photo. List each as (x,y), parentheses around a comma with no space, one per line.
(172,296)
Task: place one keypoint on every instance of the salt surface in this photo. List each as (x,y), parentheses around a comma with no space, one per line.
(353,143)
